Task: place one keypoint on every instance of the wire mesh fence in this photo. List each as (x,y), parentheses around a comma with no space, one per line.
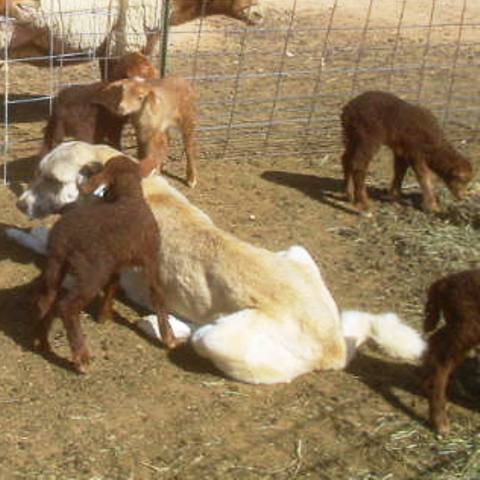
(275,89)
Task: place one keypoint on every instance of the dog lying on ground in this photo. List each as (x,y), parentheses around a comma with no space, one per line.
(266,317)
(416,139)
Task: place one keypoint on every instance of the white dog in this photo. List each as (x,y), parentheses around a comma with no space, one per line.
(267,317)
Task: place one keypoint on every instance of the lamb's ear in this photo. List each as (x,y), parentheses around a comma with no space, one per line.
(148,166)
(90,169)
(151,98)
(86,186)
(109,96)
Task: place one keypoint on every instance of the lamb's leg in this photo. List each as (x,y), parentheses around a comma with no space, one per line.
(53,134)
(400,167)
(425,180)
(188,134)
(437,396)
(364,152)
(347,158)
(158,301)
(90,281)
(106,308)
(50,285)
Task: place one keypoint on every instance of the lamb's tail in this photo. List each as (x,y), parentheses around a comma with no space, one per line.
(386,329)
(35,239)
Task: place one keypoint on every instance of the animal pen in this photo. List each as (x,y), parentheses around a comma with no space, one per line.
(276,89)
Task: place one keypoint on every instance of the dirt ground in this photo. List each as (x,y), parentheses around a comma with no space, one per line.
(142,413)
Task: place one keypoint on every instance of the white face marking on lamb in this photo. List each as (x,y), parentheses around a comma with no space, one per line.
(132,99)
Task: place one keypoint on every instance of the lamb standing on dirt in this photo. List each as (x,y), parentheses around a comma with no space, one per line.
(377,118)
(154,107)
(457,297)
(75,115)
(93,243)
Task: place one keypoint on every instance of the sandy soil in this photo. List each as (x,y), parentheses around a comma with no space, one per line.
(144,414)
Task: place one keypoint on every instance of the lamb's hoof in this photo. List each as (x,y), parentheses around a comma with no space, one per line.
(362,209)
(41,345)
(430,208)
(172,344)
(104,317)
(393,196)
(80,368)
(442,427)
(366,214)
(192,182)
(81,362)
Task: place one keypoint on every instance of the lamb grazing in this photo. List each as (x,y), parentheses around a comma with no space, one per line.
(457,297)
(75,115)
(155,106)
(94,243)
(416,139)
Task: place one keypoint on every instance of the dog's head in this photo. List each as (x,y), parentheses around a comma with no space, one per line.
(54,187)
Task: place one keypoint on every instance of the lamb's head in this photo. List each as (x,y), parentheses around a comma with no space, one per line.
(54,187)
(133,65)
(121,176)
(24,11)
(124,97)
(458,174)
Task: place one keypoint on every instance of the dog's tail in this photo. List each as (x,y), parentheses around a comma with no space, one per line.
(433,307)
(386,329)
(35,239)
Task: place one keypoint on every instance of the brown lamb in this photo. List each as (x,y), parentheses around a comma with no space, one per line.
(94,243)
(156,106)
(457,297)
(416,139)
(75,115)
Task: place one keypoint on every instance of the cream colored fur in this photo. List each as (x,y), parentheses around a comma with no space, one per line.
(86,26)
(267,317)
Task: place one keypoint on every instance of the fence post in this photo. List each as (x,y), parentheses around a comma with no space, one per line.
(6,73)
(164,36)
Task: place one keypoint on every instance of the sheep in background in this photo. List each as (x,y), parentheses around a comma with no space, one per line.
(377,118)
(116,26)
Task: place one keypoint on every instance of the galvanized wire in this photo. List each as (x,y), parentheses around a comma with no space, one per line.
(277,89)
